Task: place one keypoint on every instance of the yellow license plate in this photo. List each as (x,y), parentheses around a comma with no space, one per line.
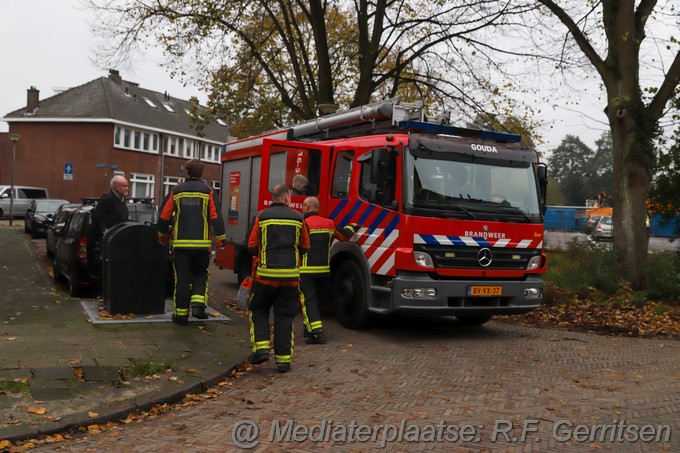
(485,291)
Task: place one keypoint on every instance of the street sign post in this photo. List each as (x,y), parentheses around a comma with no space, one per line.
(68,171)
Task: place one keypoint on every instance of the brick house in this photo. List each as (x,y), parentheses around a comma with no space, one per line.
(74,142)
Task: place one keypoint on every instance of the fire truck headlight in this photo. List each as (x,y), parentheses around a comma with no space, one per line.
(423,259)
(534,263)
(533,293)
(419,293)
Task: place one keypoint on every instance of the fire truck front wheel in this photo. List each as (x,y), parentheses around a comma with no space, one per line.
(349,296)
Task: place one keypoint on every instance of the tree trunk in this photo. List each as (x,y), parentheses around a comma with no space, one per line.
(631,181)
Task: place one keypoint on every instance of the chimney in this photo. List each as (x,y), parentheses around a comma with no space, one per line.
(115,76)
(32,99)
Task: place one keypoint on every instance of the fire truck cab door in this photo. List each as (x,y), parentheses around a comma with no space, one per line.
(303,167)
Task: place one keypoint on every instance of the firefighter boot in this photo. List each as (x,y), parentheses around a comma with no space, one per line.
(283,367)
(316,337)
(180,320)
(198,311)
(259,356)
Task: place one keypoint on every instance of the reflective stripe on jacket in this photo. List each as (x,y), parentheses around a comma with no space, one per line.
(277,239)
(193,205)
(322,231)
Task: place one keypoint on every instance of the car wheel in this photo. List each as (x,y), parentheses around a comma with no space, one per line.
(34,233)
(26,229)
(473,320)
(73,287)
(349,296)
(50,254)
(56,275)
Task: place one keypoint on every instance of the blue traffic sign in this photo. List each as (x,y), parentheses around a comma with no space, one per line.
(68,168)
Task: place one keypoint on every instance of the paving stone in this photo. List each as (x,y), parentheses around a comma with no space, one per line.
(101,373)
(5,402)
(51,389)
(53,373)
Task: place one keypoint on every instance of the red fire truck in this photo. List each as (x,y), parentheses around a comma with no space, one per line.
(451,218)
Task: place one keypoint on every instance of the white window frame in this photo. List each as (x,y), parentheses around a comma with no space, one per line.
(189,148)
(141,179)
(135,139)
(169,182)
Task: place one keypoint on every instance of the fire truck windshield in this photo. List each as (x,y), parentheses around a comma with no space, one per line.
(451,184)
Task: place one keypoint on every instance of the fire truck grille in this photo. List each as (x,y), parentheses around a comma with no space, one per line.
(452,257)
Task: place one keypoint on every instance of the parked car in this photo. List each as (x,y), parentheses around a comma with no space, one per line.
(77,258)
(23,195)
(76,261)
(56,224)
(143,210)
(603,229)
(39,214)
(591,222)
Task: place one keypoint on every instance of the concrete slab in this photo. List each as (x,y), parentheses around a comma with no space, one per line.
(101,373)
(5,402)
(51,389)
(97,316)
(51,373)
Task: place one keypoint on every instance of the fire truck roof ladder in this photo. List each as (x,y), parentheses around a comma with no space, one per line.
(384,117)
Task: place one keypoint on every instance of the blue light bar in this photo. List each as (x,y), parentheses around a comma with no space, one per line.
(416,126)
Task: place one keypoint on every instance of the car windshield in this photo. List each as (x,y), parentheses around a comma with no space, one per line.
(477,186)
(48,206)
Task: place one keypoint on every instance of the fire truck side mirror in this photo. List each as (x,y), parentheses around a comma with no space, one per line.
(379,164)
(542,174)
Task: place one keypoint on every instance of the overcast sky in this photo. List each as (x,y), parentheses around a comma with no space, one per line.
(47,44)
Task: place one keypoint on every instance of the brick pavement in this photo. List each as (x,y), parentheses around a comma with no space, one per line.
(421,375)
(72,372)
(432,372)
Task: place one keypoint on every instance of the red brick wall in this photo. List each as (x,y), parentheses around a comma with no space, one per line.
(45,147)
(5,158)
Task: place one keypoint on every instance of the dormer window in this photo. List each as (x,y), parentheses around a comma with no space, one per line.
(168,107)
(150,102)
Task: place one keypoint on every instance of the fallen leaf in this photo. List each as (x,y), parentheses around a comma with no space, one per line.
(129,419)
(92,414)
(5,444)
(36,410)
(11,338)
(74,362)
(53,439)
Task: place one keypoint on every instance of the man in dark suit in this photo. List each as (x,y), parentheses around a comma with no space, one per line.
(111,210)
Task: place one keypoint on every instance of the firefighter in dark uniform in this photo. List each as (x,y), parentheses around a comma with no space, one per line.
(278,238)
(193,206)
(316,266)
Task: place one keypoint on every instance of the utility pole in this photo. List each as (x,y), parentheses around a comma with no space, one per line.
(15,138)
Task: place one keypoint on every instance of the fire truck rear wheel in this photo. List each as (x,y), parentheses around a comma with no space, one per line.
(349,296)
(473,320)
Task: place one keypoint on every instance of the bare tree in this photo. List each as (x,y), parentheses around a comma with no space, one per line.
(284,60)
(640,77)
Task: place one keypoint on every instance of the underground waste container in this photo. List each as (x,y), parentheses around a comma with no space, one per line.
(135,269)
